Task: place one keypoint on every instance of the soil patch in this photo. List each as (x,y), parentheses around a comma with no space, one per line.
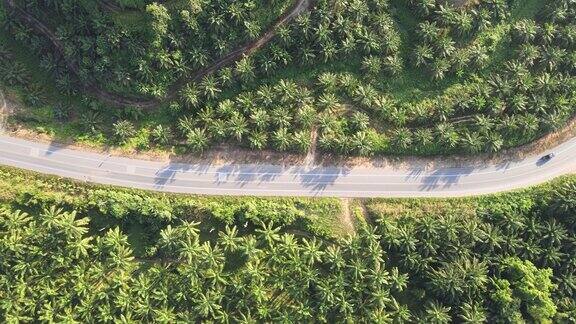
(346,217)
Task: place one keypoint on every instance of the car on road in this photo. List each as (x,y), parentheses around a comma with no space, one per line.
(547,157)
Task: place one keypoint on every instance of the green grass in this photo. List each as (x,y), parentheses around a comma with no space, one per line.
(460,207)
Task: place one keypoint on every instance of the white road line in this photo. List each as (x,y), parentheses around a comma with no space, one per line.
(191,168)
(272,180)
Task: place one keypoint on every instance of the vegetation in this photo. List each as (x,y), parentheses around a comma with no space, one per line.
(72,252)
(369,76)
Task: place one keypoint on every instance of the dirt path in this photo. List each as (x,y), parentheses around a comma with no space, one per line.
(109,5)
(2,111)
(88,85)
(118,100)
(237,54)
(346,219)
(310,158)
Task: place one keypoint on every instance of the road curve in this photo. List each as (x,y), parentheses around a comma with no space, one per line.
(272,180)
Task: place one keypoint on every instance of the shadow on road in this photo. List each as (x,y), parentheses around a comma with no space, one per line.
(54,147)
(167,174)
(439,178)
(317,179)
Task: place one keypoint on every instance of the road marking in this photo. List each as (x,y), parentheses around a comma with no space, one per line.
(438,185)
(427,173)
(222,176)
(526,163)
(35,152)
(130,169)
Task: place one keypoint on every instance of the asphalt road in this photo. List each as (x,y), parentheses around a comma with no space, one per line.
(270,180)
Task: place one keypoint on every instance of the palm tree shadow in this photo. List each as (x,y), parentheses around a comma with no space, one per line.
(167,174)
(54,147)
(318,179)
(444,178)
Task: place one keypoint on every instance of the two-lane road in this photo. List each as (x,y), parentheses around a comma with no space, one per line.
(271,180)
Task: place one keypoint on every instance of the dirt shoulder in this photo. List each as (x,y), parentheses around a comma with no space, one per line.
(6,108)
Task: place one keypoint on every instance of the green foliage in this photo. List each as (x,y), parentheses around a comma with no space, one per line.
(509,254)
(431,77)
(121,206)
(523,286)
(133,255)
(159,20)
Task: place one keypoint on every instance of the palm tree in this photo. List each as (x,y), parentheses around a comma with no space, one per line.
(359,121)
(245,69)
(185,125)
(400,313)
(365,95)
(269,233)
(237,126)
(258,140)
(472,142)
(123,130)
(229,239)
(525,30)
(436,313)
(494,142)
(548,33)
(423,54)
(306,116)
(259,118)
(225,76)
(565,200)
(402,138)
(393,64)
(471,313)
(529,54)
(445,46)
(425,7)
(197,140)
(463,23)
(284,34)
(552,57)
(363,144)
(302,141)
(208,304)
(91,121)
(439,68)
(423,137)
(161,135)
(281,117)
(429,31)
(447,134)
(190,96)
(209,87)
(281,139)
(372,65)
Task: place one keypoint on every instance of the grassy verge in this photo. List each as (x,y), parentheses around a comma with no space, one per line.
(379,208)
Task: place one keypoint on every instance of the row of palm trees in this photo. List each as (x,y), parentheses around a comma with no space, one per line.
(507,259)
(446,36)
(527,94)
(265,275)
(180,38)
(453,258)
(279,116)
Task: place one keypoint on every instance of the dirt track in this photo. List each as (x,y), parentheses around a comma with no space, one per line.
(3,112)
(118,100)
